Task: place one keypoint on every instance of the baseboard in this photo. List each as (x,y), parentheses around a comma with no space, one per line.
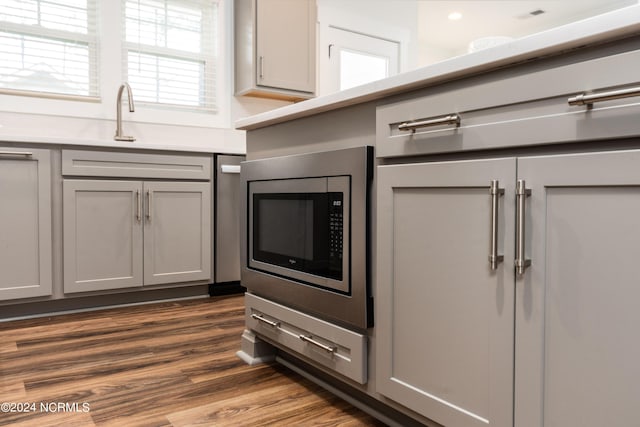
(71,304)
(377,409)
(251,361)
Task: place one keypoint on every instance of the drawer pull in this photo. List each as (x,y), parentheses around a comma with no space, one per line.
(310,340)
(267,321)
(496,192)
(585,99)
(451,119)
(16,153)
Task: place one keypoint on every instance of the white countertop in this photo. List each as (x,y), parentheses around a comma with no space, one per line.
(609,26)
(80,142)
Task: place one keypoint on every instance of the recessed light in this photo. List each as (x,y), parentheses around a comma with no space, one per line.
(455,16)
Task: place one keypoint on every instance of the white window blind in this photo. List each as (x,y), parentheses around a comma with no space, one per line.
(169,54)
(49,47)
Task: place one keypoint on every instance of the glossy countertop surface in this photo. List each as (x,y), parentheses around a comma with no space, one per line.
(609,26)
(111,144)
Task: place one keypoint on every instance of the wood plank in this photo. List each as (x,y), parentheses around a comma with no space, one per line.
(11,391)
(164,364)
(8,346)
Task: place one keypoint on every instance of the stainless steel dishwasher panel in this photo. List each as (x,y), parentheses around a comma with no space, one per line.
(227,233)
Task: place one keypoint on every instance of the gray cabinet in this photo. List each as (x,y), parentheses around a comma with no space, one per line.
(25,223)
(177,232)
(512,108)
(454,334)
(102,234)
(445,319)
(577,346)
(133,233)
(341,350)
(275,48)
(120,234)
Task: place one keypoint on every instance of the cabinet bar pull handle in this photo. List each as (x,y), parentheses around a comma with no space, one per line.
(267,321)
(451,119)
(138,209)
(496,192)
(16,153)
(230,168)
(585,99)
(310,340)
(522,193)
(149,205)
(261,60)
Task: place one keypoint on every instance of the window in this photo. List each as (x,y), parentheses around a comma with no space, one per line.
(169,55)
(68,58)
(49,46)
(355,58)
(357,68)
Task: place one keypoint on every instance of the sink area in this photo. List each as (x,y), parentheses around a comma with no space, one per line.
(99,133)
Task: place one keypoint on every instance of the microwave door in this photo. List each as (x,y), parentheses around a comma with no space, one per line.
(297,230)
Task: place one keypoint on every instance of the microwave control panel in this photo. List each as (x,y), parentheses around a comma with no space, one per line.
(336,229)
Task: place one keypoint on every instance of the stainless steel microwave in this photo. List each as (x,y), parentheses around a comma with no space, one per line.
(305,233)
(297,230)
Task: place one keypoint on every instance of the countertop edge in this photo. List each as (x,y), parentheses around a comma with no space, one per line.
(608,26)
(80,143)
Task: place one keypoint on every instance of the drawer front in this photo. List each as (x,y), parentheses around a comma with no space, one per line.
(135,165)
(513,108)
(331,346)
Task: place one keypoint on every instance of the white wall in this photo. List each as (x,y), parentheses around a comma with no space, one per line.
(75,121)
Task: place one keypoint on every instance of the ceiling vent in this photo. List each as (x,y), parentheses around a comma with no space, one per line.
(531,14)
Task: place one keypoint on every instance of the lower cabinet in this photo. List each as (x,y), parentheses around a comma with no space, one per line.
(341,350)
(543,337)
(120,234)
(577,316)
(25,223)
(445,319)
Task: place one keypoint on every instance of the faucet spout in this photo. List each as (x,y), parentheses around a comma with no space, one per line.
(119,136)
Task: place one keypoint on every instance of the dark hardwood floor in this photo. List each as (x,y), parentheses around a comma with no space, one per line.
(165,364)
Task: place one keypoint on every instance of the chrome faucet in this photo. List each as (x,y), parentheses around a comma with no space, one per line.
(119,136)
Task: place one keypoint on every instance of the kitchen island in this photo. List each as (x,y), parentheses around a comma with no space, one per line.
(503,232)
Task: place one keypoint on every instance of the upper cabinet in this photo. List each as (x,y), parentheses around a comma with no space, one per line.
(275,48)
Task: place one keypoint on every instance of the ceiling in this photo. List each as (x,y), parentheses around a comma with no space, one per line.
(499,18)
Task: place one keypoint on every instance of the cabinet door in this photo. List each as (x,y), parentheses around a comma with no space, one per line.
(444,320)
(286,44)
(25,223)
(102,235)
(577,310)
(177,232)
